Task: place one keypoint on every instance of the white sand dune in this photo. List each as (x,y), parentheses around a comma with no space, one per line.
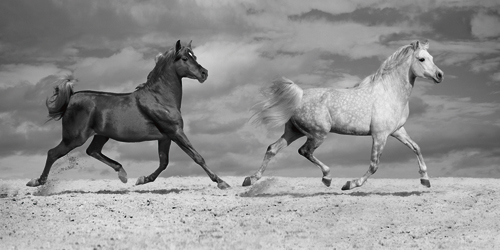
(276,213)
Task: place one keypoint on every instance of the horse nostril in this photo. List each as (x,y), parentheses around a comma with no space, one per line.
(439,75)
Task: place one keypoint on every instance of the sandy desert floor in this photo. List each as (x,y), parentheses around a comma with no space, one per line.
(275,213)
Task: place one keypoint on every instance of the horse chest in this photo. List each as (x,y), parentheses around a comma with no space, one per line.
(388,116)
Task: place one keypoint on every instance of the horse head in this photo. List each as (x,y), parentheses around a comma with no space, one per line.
(423,64)
(185,63)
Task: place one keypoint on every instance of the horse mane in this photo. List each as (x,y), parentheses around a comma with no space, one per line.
(162,60)
(388,66)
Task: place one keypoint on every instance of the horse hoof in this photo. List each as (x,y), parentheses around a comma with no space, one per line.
(122,175)
(327,181)
(249,181)
(223,185)
(425,182)
(33,183)
(347,186)
(141,180)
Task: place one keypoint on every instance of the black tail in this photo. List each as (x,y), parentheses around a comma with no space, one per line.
(58,102)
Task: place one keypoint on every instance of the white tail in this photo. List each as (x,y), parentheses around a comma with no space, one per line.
(283,98)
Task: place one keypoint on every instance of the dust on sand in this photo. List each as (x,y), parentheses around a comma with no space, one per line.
(275,213)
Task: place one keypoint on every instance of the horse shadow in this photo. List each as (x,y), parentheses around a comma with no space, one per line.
(122,191)
(358,193)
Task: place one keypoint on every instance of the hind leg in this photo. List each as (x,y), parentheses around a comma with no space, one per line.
(379,141)
(307,151)
(291,134)
(403,137)
(95,149)
(64,147)
(163,149)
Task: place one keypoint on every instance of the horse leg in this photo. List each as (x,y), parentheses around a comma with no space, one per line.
(403,137)
(181,139)
(291,134)
(95,149)
(64,147)
(307,151)
(163,149)
(379,141)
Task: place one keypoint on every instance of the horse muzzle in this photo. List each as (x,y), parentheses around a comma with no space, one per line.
(438,77)
(203,75)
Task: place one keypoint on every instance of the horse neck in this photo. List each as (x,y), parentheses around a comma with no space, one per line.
(399,82)
(168,88)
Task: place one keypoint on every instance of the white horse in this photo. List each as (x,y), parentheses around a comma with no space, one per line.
(377,106)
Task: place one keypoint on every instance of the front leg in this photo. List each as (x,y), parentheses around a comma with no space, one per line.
(180,138)
(403,137)
(169,121)
(379,141)
(163,150)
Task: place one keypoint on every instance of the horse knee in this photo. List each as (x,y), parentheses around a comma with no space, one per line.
(373,168)
(53,154)
(416,148)
(198,159)
(163,165)
(304,152)
(271,150)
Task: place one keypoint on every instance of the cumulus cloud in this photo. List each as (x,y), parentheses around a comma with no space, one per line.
(13,74)
(22,124)
(496,77)
(120,72)
(485,65)
(484,25)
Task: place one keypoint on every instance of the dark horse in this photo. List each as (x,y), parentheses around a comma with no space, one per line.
(152,112)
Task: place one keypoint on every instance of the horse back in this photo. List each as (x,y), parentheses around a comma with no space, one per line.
(116,116)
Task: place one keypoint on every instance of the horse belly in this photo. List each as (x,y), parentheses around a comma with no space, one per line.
(350,116)
(350,129)
(349,124)
(128,126)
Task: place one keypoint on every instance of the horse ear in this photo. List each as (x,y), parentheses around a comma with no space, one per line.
(177,46)
(189,45)
(425,45)
(415,45)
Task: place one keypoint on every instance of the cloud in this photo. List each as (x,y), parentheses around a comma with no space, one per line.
(367,16)
(210,126)
(464,52)
(13,74)
(357,41)
(466,163)
(496,77)
(22,115)
(120,72)
(484,25)
(485,65)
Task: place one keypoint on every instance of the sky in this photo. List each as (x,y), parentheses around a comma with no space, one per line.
(245,45)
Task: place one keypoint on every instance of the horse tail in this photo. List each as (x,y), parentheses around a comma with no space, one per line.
(283,98)
(58,102)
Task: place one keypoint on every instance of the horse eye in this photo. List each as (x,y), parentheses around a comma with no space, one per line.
(421,59)
(184,58)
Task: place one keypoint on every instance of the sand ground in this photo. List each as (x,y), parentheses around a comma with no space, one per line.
(275,213)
